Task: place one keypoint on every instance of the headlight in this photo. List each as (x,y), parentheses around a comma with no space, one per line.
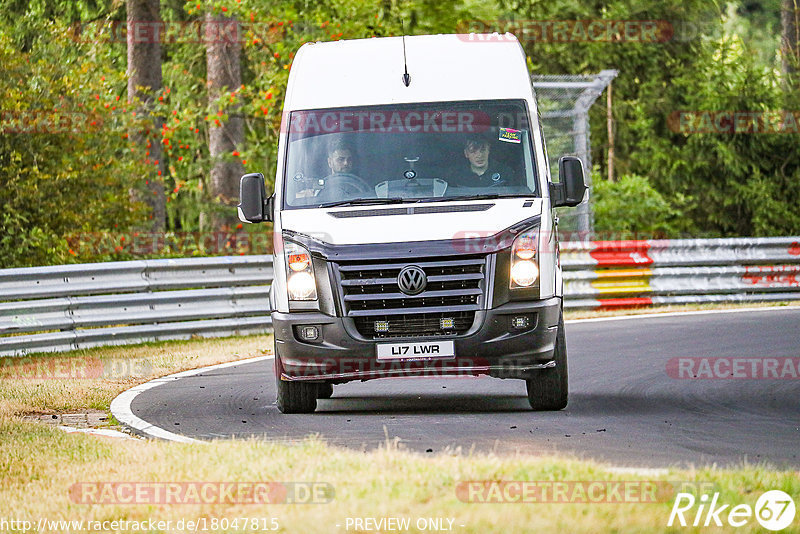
(524,260)
(299,273)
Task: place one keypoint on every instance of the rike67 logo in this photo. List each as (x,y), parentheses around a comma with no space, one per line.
(774,510)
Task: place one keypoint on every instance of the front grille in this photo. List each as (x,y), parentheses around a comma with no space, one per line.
(415,324)
(370,293)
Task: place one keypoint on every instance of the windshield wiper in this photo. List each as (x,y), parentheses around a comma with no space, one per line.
(485,196)
(365,201)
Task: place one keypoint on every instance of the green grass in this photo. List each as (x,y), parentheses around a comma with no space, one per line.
(39,464)
(22,395)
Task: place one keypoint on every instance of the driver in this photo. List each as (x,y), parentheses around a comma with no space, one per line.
(340,158)
(342,183)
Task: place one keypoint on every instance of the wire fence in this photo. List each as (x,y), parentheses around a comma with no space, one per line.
(564,103)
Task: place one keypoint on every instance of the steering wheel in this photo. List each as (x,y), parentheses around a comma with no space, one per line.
(348,182)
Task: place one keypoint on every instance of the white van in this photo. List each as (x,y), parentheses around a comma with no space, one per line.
(413,218)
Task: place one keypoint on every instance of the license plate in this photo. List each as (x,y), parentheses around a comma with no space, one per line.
(419,350)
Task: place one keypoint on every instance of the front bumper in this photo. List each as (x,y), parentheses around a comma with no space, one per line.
(491,347)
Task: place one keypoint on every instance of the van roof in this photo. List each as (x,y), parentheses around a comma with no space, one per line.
(366,72)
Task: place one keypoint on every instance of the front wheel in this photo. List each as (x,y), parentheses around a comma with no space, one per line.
(294,397)
(549,389)
(324,390)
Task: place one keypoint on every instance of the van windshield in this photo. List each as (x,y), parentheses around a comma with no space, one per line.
(409,153)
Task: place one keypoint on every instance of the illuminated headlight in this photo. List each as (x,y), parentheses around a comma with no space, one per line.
(524,261)
(524,273)
(300,276)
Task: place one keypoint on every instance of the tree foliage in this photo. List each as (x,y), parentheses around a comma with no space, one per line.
(630,208)
(62,186)
(723,184)
(63,162)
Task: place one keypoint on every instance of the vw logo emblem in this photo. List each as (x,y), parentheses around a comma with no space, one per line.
(412,280)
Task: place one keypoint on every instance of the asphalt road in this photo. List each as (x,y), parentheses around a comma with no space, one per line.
(624,407)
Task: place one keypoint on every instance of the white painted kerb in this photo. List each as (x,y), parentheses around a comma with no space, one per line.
(121,405)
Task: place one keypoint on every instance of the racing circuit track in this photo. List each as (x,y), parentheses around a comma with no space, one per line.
(624,407)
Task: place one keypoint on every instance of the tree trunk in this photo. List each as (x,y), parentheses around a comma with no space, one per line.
(144,80)
(223,53)
(790,20)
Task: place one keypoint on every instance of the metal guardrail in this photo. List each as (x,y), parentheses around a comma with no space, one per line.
(615,274)
(78,306)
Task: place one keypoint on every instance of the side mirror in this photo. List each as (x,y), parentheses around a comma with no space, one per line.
(254,206)
(572,183)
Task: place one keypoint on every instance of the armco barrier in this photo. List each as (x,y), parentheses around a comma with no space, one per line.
(77,306)
(615,274)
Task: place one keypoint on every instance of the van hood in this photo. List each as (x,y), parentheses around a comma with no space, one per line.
(396,223)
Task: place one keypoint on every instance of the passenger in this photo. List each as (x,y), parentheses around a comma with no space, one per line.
(480,171)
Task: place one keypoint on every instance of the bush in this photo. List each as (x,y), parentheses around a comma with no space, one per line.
(631,207)
(63,147)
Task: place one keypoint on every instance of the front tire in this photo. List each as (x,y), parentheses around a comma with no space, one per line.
(549,390)
(324,390)
(294,397)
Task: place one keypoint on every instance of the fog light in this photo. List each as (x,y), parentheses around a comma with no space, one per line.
(521,322)
(381,326)
(447,324)
(309,333)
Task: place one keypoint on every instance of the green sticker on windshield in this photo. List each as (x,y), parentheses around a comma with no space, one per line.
(510,136)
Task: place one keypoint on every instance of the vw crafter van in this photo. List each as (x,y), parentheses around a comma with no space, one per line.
(414,224)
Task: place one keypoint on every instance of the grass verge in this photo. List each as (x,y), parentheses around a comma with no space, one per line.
(53,384)
(40,465)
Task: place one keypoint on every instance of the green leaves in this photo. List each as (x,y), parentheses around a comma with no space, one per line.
(631,208)
(59,180)
(62,153)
